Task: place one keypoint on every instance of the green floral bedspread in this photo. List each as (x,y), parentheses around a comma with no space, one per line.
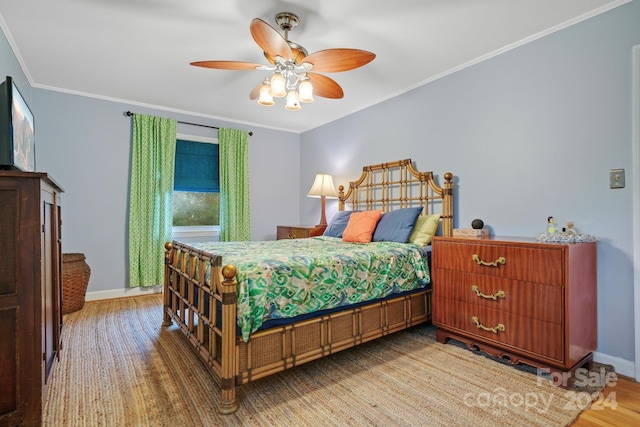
(287,278)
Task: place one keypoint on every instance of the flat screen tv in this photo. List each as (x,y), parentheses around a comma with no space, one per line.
(17,131)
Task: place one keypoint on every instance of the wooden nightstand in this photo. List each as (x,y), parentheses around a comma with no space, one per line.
(516,298)
(298,231)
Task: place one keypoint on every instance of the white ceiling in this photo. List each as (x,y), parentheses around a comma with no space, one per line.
(138,51)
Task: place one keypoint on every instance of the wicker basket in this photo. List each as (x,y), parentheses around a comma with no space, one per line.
(75,278)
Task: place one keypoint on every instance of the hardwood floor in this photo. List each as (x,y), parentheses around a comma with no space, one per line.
(620,409)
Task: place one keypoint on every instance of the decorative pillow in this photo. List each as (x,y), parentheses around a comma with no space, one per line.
(338,223)
(360,226)
(396,226)
(426,227)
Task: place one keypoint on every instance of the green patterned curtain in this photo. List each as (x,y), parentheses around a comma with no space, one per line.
(235,219)
(150,197)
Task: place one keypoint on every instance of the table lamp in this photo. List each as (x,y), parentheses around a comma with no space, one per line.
(323,187)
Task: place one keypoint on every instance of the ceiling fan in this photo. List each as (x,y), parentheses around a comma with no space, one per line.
(294,71)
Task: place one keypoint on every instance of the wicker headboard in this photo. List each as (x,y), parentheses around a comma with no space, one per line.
(396,185)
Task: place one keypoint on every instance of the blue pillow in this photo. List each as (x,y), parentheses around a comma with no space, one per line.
(338,224)
(396,226)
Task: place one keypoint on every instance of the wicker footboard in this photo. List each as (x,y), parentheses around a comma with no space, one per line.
(194,305)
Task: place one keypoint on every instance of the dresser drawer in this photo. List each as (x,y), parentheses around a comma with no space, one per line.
(299,231)
(527,299)
(516,297)
(288,232)
(521,333)
(526,263)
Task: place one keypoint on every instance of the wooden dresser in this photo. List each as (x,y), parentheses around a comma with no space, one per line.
(299,231)
(30,287)
(514,298)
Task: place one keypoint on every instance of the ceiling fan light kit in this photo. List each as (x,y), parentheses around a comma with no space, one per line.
(278,85)
(291,66)
(293,103)
(305,90)
(265,97)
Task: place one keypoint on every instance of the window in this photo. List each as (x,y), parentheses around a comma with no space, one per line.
(196,196)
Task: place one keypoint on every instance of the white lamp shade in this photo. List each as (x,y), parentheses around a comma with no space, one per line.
(292,101)
(305,91)
(278,89)
(323,186)
(265,97)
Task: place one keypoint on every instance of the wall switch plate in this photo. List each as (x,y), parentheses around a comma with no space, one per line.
(616,178)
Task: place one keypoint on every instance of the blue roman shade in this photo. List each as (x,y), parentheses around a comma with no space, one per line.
(196,167)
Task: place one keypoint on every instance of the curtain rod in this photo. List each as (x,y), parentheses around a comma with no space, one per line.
(129,113)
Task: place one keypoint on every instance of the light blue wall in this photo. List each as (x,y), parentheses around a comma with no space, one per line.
(530,133)
(9,66)
(84,144)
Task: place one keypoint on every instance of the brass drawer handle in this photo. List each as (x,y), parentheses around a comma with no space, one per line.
(476,258)
(499,294)
(291,236)
(495,329)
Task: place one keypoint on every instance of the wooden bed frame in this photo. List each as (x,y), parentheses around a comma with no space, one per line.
(385,186)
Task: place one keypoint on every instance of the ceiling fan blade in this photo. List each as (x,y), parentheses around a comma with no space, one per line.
(341,59)
(226,65)
(325,87)
(255,93)
(269,40)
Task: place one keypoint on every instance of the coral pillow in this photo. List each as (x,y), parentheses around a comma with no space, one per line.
(361,226)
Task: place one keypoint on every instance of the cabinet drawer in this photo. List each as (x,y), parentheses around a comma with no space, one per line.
(521,333)
(299,231)
(526,263)
(286,232)
(527,299)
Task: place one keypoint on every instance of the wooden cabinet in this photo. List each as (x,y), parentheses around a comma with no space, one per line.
(30,286)
(515,298)
(299,231)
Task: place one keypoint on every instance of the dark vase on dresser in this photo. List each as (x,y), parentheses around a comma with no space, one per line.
(30,293)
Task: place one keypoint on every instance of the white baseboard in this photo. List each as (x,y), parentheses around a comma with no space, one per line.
(121,293)
(622,366)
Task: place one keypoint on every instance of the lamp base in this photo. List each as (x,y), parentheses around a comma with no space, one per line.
(323,216)
(318,230)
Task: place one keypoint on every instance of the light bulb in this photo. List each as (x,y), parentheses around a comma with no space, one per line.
(292,101)
(305,91)
(265,97)
(278,89)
